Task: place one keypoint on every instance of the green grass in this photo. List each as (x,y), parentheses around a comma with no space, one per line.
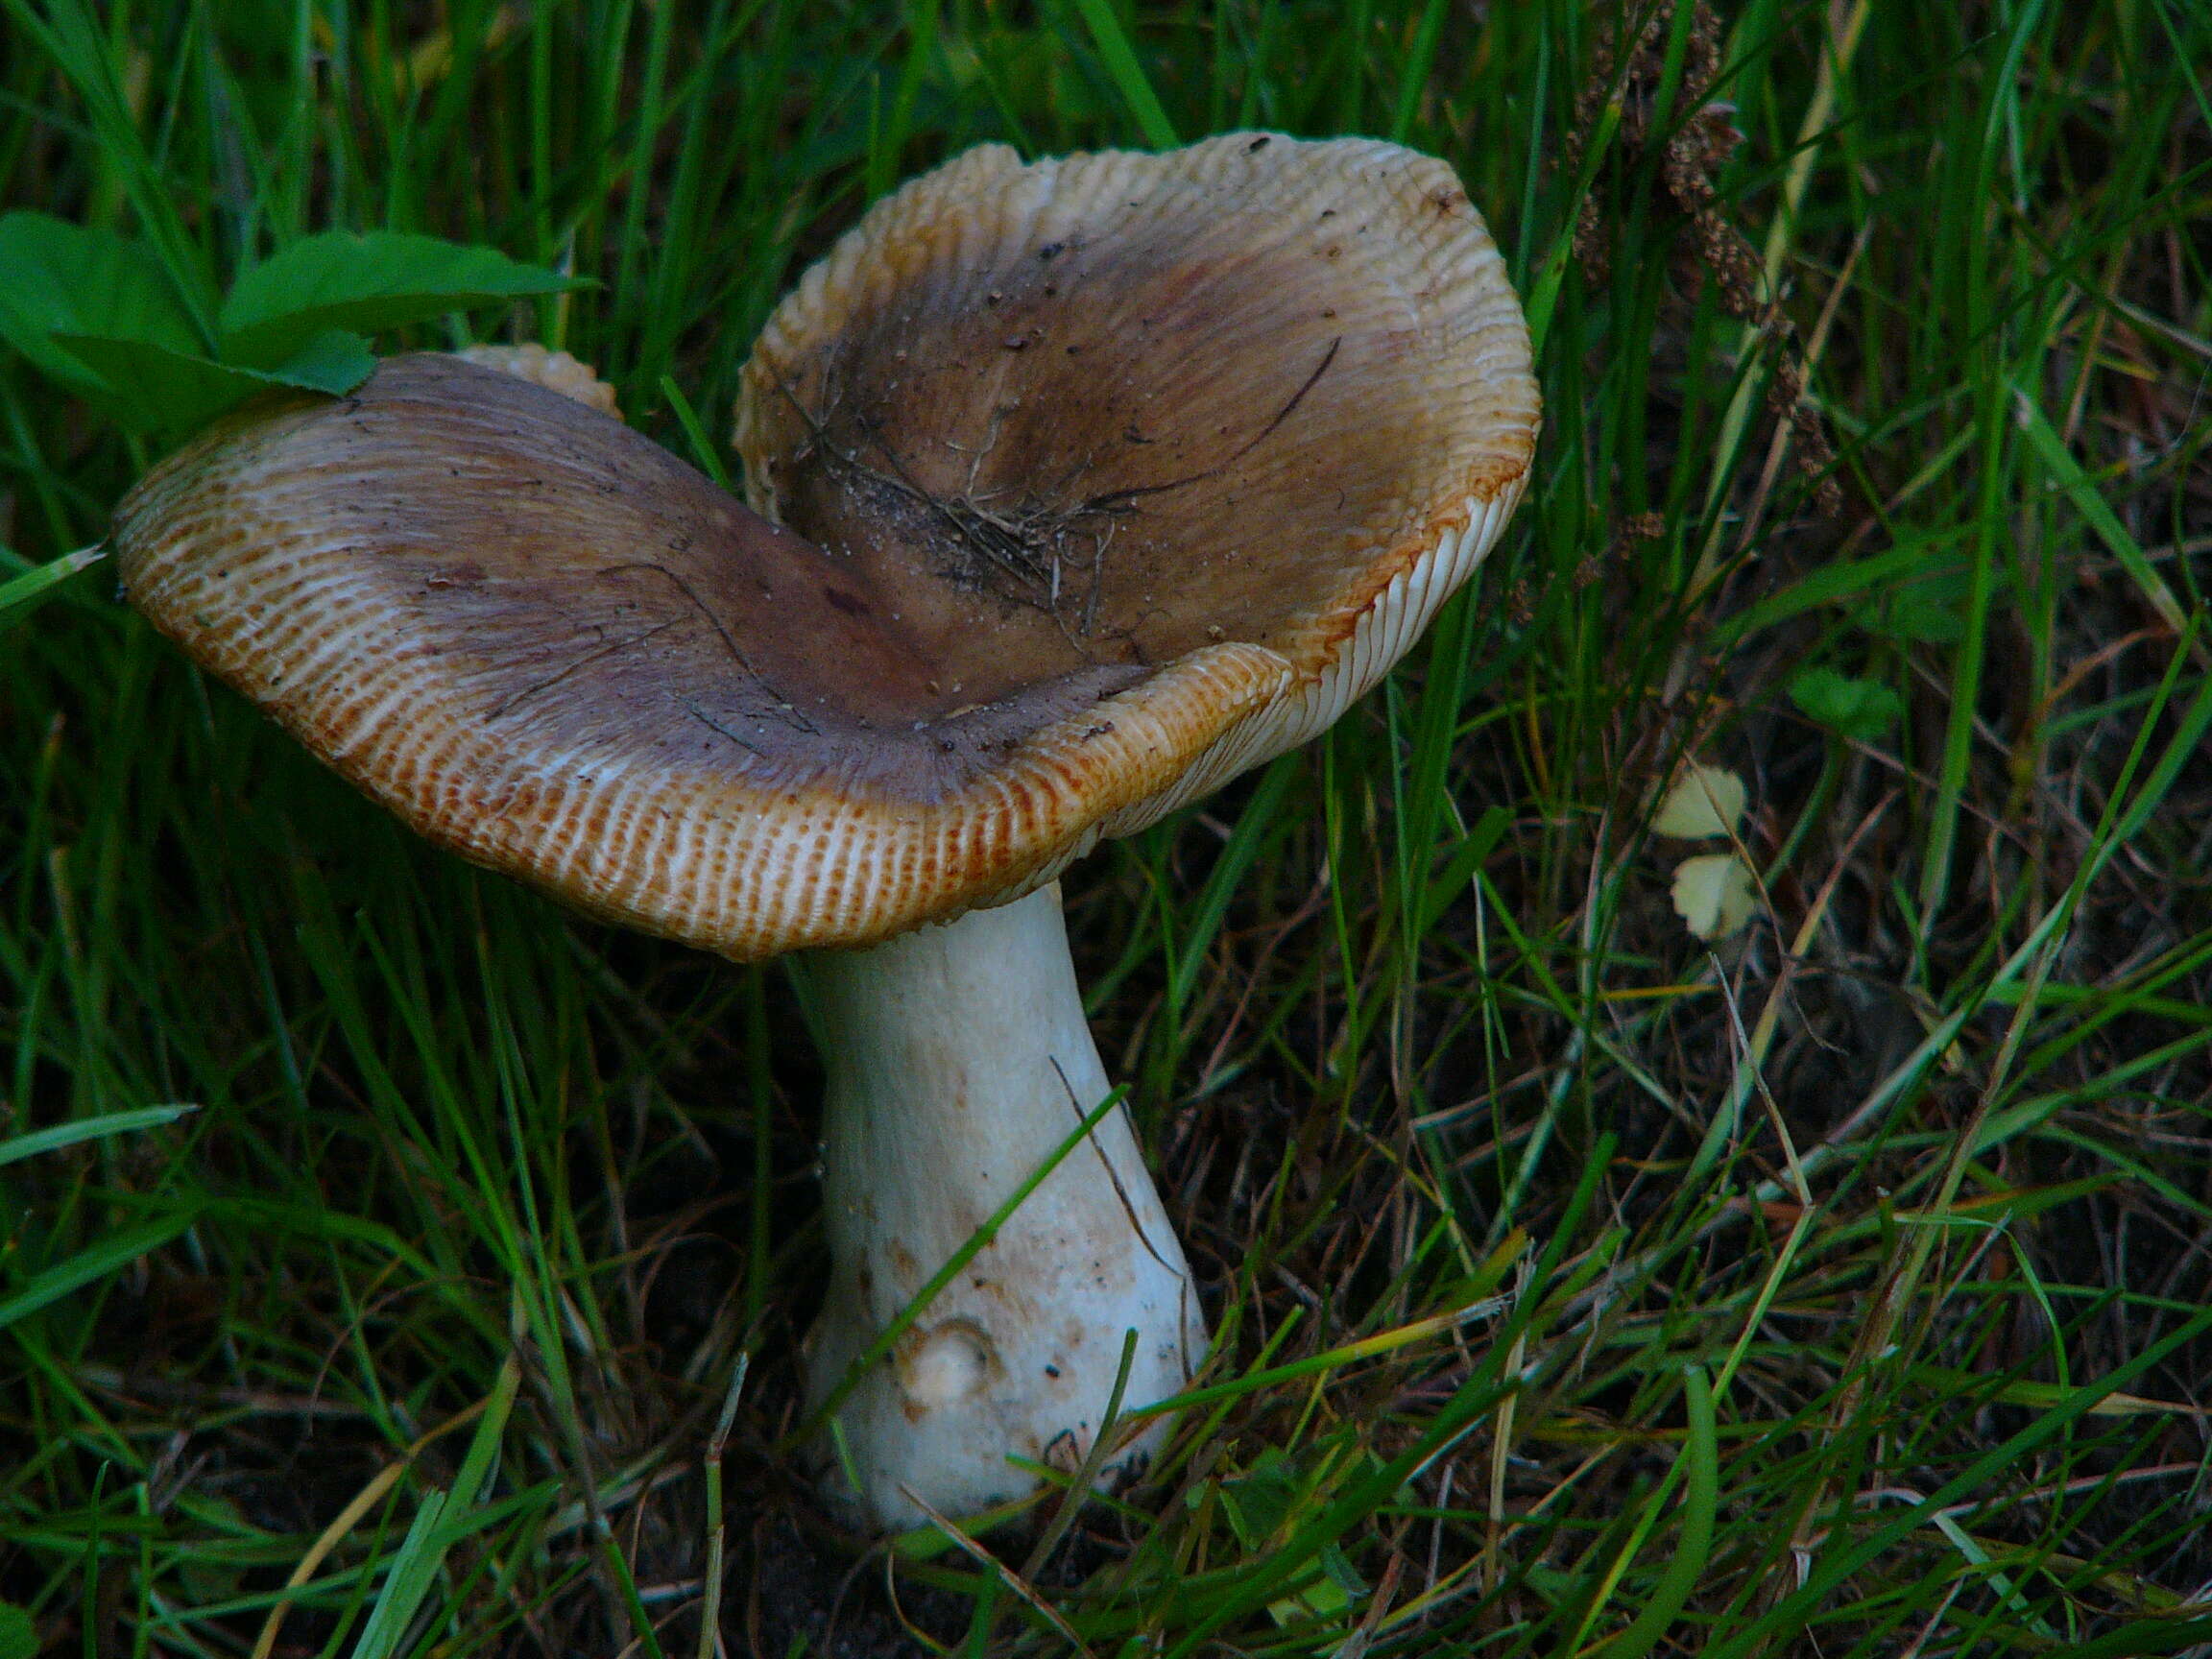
(1840,1288)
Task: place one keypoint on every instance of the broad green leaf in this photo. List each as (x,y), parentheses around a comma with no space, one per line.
(178,392)
(365,283)
(334,361)
(1928,608)
(1342,1574)
(1322,1599)
(1860,709)
(157,388)
(1259,1501)
(17,596)
(57,278)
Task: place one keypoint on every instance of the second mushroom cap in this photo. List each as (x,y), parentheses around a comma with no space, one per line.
(1096,416)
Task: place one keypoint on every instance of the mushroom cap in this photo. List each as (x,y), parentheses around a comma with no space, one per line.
(1043,595)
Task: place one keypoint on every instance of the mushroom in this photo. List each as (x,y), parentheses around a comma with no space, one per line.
(1084,486)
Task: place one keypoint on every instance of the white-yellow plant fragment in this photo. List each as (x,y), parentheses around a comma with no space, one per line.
(1704,800)
(1713,894)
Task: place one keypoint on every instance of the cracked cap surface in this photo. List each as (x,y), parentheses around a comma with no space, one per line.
(1111,476)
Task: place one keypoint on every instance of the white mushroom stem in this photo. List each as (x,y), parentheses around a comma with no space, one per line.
(959,1062)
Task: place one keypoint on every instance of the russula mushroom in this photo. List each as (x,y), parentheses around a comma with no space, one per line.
(1087,484)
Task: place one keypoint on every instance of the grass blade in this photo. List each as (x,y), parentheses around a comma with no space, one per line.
(1128,74)
(90,1265)
(20,594)
(17,1148)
